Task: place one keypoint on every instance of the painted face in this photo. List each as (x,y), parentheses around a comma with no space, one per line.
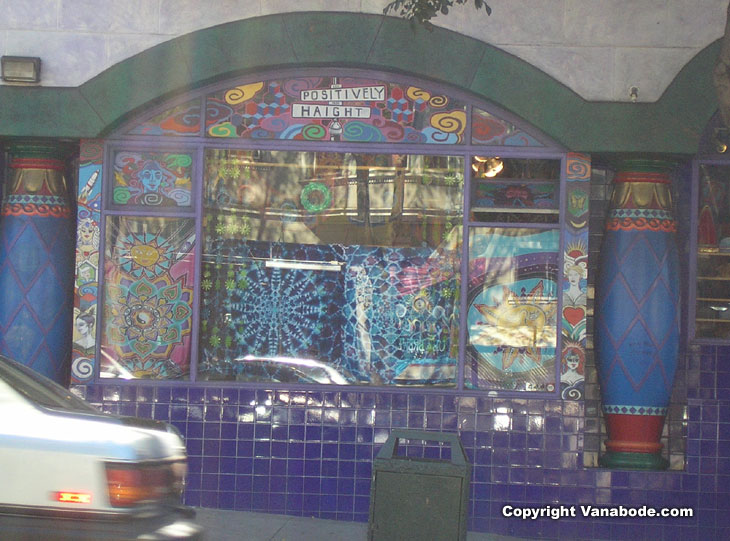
(151,177)
(573,277)
(82,327)
(572,360)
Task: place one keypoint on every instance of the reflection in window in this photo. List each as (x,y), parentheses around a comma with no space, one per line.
(331,267)
(148,297)
(512,309)
(712,317)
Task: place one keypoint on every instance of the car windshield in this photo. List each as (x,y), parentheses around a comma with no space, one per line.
(39,389)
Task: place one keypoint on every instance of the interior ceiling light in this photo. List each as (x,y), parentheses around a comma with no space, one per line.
(487,167)
(21,69)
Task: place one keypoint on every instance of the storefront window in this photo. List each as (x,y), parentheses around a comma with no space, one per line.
(325,267)
(512,309)
(712,310)
(314,228)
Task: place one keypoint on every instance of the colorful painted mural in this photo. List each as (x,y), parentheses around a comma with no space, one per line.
(180,120)
(512,305)
(87,260)
(487,129)
(148,297)
(152,179)
(335,109)
(575,278)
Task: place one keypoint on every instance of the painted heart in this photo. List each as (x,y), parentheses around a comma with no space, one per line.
(574,315)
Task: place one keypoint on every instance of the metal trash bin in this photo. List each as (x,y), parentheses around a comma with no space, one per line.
(418,498)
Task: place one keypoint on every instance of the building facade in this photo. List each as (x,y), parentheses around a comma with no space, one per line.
(297,231)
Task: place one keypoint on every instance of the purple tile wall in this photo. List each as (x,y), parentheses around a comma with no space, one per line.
(309,453)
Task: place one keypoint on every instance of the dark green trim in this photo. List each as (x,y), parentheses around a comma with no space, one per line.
(633,461)
(672,125)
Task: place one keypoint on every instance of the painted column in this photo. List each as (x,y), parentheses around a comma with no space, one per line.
(637,315)
(37,236)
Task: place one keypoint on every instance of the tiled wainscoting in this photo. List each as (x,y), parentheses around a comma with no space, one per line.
(310,453)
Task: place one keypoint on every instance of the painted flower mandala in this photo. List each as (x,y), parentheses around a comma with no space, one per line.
(148,319)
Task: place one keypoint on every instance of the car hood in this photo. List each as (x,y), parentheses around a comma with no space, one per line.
(113,437)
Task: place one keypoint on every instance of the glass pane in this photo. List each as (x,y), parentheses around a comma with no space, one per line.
(182,120)
(335,109)
(152,179)
(487,129)
(511,311)
(331,268)
(148,297)
(713,258)
(515,190)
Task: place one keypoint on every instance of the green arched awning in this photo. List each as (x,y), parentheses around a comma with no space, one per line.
(673,124)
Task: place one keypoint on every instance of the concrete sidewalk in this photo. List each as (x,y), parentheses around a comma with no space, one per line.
(224,525)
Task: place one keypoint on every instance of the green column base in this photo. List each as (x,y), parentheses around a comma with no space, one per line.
(633,461)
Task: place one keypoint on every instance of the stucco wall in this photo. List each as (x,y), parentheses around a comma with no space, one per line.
(598,48)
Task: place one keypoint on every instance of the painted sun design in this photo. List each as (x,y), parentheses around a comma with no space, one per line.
(145,254)
(520,324)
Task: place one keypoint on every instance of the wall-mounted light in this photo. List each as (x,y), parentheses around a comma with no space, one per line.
(21,69)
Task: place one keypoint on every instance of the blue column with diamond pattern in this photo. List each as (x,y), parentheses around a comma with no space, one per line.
(37,239)
(637,315)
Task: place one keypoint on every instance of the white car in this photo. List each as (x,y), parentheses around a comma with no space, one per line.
(68,471)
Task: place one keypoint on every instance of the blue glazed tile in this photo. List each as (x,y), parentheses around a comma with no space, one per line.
(362,487)
(329,433)
(329,468)
(179,395)
(210,430)
(362,505)
(345,486)
(194,447)
(144,410)
(244,448)
(294,502)
(209,481)
(262,432)
(330,450)
(363,469)
(347,452)
(296,433)
(228,448)
(279,449)
(295,467)
(296,450)
(312,468)
(328,485)
(277,483)
(345,503)
(262,449)
(280,432)
(294,484)
(416,402)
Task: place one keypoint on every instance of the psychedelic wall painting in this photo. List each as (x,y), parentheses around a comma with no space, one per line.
(347,109)
(152,179)
(512,309)
(487,129)
(181,120)
(88,212)
(575,277)
(148,297)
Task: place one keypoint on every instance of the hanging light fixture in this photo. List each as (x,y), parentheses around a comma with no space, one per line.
(487,167)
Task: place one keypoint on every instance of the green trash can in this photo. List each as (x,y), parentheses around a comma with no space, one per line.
(418,498)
